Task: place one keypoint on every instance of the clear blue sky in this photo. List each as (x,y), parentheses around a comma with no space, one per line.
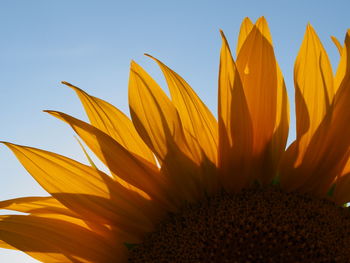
(90,44)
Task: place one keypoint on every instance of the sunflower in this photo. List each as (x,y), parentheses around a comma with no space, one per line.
(185,187)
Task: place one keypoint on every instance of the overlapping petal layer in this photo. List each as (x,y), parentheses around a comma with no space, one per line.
(173,150)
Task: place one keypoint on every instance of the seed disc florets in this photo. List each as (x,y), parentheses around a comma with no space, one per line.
(255,225)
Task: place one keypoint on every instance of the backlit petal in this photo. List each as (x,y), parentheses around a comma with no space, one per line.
(337,44)
(36,205)
(113,122)
(244,31)
(329,145)
(120,161)
(158,123)
(154,116)
(53,240)
(278,142)
(258,71)
(235,130)
(89,193)
(199,124)
(195,116)
(314,87)
(313,79)
(281,129)
(341,69)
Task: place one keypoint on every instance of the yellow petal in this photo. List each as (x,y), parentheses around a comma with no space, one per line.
(44,167)
(36,205)
(158,123)
(314,93)
(153,114)
(280,136)
(89,193)
(263,27)
(49,207)
(329,147)
(258,71)
(337,44)
(341,70)
(244,31)
(235,129)
(278,142)
(257,67)
(53,240)
(281,129)
(120,161)
(194,114)
(113,122)
(122,182)
(199,124)
(314,87)
(91,162)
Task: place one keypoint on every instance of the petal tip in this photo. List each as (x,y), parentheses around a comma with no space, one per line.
(261,19)
(133,65)
(309,26)
(247,20)
(9,145)
(52,112)
(70,85)
(150,56)
(223,35)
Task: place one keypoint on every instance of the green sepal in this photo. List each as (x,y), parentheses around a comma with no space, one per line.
(276,180)
(130,246)
(257,183)
(331,190)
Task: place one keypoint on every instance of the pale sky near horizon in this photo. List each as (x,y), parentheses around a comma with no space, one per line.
(90,44)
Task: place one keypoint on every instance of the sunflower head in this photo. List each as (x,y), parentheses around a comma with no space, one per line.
(184,186)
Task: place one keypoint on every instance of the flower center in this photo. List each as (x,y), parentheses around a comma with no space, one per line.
(255,225)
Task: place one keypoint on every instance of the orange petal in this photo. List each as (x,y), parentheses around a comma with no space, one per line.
(89,193)
(235,129)
(36,205)
(244,31)
(53,240)
(257,67)
(258,71)
(314,86)
(120,161)
(329,147)
(341,70)
(113,122)
(198,122)
(158,123)
(278,142)
(49,207)
(91,162)
(281,129)
(337,44)
(194,114)
(153,114)
(313,97)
